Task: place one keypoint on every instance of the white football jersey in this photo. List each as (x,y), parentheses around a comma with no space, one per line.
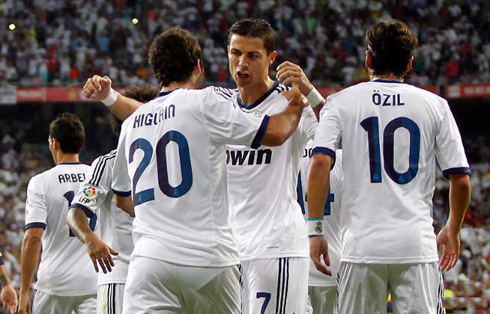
(65,268)
(171,155)
(114,226)
(331,225)
(392,134)
(266,217)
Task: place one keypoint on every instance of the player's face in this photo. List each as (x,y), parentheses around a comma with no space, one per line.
(249,61)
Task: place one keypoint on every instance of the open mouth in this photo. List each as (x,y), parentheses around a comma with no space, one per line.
(242,75)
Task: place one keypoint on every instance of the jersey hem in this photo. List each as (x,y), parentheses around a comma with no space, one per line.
(322,285)
(122,193)
(63,294)
(185,263)
(459,170)
(108,282)
(275,255)
(402,260)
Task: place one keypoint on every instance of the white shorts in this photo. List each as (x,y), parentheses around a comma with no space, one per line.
(414,288)
(276,285)
(110,298)
(155,286)
(321,300)
(56,304)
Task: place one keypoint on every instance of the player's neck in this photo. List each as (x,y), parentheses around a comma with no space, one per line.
(390,77)
(66,158)
(176,85)
(252,93)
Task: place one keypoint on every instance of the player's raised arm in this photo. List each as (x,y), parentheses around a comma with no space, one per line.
(98,251)
(99,88)
(318,183)
(281,126)
(459,199)
(290,73)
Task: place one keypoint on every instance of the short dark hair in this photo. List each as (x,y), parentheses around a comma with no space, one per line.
(255,28)
(391,44)
(173,56)
(68,130)
(141,93)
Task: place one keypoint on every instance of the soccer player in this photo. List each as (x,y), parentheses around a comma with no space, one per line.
(171,156)
(65,280)
(267,223)
(95,197)
(322,289)
(392,135)
(8,295)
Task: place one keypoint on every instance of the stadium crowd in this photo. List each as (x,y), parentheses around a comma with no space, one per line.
(65,42)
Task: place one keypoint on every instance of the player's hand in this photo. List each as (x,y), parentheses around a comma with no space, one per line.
(450,248)
(100,254)
(289,73)
(24,303)
(319,248)
(295,98)
(97,87)
(9,298)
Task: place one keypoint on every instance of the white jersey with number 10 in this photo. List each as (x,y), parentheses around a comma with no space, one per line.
(392,135)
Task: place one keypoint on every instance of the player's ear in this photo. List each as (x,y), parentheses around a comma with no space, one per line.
(410,64)
(199,67)
(368,61)
(272,57)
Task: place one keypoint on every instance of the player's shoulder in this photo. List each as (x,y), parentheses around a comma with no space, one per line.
(221,92)
(425,94)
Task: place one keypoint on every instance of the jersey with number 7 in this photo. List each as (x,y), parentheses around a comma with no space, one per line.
(392,134)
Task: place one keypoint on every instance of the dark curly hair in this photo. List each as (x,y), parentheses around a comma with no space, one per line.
(255,28)
(141,93)
(68,130)
(173,56)
(391,44)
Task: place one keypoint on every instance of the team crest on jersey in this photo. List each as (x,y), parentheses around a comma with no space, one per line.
(90,192)
(253,112)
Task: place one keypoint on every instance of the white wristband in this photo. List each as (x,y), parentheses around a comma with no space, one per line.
(314,97)
(315,227)
(111,98)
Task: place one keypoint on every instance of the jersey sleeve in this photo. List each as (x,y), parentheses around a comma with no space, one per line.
(228,124)
(449,146)
(93,192)
(36,210)
(121,182)
(307,125)
(329,130)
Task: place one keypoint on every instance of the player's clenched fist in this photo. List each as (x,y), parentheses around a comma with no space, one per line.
(97,87)
(294,96)
(289,73)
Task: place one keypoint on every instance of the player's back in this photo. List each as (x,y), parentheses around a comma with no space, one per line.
(175,153)
(65,267)
(391,135)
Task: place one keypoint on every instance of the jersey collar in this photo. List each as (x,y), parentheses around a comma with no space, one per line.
(258,101)
(70,163)
(387,81)
(160,94)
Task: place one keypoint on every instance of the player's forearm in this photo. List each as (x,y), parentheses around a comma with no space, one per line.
(4,278)
(124,107)
(281,126)
(125,203)
(318,182)
(459,199)
(77,220)
(31,249)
